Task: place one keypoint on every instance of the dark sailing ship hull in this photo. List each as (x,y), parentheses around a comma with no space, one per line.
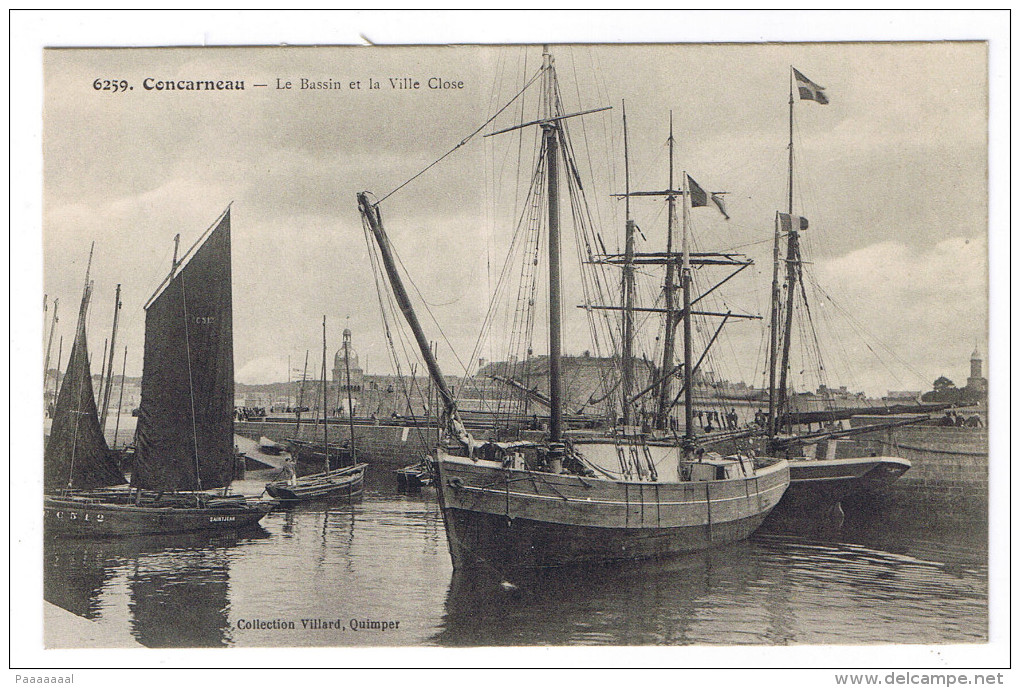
(84,517)
(185,431)
(817,485)
(338,484)
(510,519)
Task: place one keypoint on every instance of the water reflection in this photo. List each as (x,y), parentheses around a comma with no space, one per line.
(781,587)
(177,585)
(636,603)
(385,557)
(74,574)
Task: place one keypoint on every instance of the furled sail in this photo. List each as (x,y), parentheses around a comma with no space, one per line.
(185,437)
(77,456)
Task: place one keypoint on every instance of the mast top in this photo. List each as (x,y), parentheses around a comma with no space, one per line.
(179,264)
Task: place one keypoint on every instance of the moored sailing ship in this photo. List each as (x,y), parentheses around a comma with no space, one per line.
(817,485)
(552,503)
(185,438)
(76,455)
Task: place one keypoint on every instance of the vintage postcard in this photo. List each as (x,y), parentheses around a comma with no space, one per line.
(522,345)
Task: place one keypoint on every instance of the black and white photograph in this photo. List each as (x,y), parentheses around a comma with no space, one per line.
(526,344)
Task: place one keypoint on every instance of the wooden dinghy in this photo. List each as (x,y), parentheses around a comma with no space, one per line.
(348,481)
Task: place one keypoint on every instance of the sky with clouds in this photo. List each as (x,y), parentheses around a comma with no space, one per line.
(892,175)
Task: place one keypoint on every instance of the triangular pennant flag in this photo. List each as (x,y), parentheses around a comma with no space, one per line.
(809,90)
(698,196)
(790,223)
(718,200)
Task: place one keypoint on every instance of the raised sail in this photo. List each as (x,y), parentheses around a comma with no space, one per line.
(186,417)
(77,456)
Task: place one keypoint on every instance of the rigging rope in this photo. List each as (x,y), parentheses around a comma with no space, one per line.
(191,384)
(465,140)
(374,261)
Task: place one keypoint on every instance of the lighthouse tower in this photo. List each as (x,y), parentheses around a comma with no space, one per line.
(976,382)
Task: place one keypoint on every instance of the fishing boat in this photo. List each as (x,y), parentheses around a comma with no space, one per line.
(817,484)
(77,456)
(559,501)
(331,483)
(185,438)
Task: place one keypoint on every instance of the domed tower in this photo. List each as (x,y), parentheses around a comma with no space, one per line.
(344,357)
(976,383)
(975,363)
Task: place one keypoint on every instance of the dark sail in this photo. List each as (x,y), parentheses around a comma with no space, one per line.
(77,455)
(185,437)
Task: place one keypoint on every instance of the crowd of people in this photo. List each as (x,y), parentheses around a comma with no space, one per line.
(249,412)
(718,420)
(953,419)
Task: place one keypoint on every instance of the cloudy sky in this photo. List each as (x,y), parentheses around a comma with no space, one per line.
(891,174)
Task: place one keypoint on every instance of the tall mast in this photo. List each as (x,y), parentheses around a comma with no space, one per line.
(350,401)
(685,282)
(102,373)
(325,420)
(662,417)
(550,137)
(109,370)
(792,270)
(301,398)
(177,245)
(49,346)
(551,133)
(627,374)
(774,332)
(82,316)
(56,379)
(120,400)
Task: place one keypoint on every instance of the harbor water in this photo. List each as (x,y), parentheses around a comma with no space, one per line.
(377,572)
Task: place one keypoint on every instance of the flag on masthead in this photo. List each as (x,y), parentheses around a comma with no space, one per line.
(700,198)
(789,222)
(809,90)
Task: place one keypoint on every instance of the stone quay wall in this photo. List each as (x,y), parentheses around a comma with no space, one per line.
(949,472)
(385,444)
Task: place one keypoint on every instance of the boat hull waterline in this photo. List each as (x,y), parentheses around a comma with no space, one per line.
(818,484)
(509,518)
(71,517)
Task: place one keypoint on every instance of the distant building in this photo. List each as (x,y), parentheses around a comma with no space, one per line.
(340,363)
(976,390)
(346,362)
(253,399)
(976,384)
(902,395)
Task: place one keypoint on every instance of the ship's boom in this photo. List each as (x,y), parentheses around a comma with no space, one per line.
(371,214)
